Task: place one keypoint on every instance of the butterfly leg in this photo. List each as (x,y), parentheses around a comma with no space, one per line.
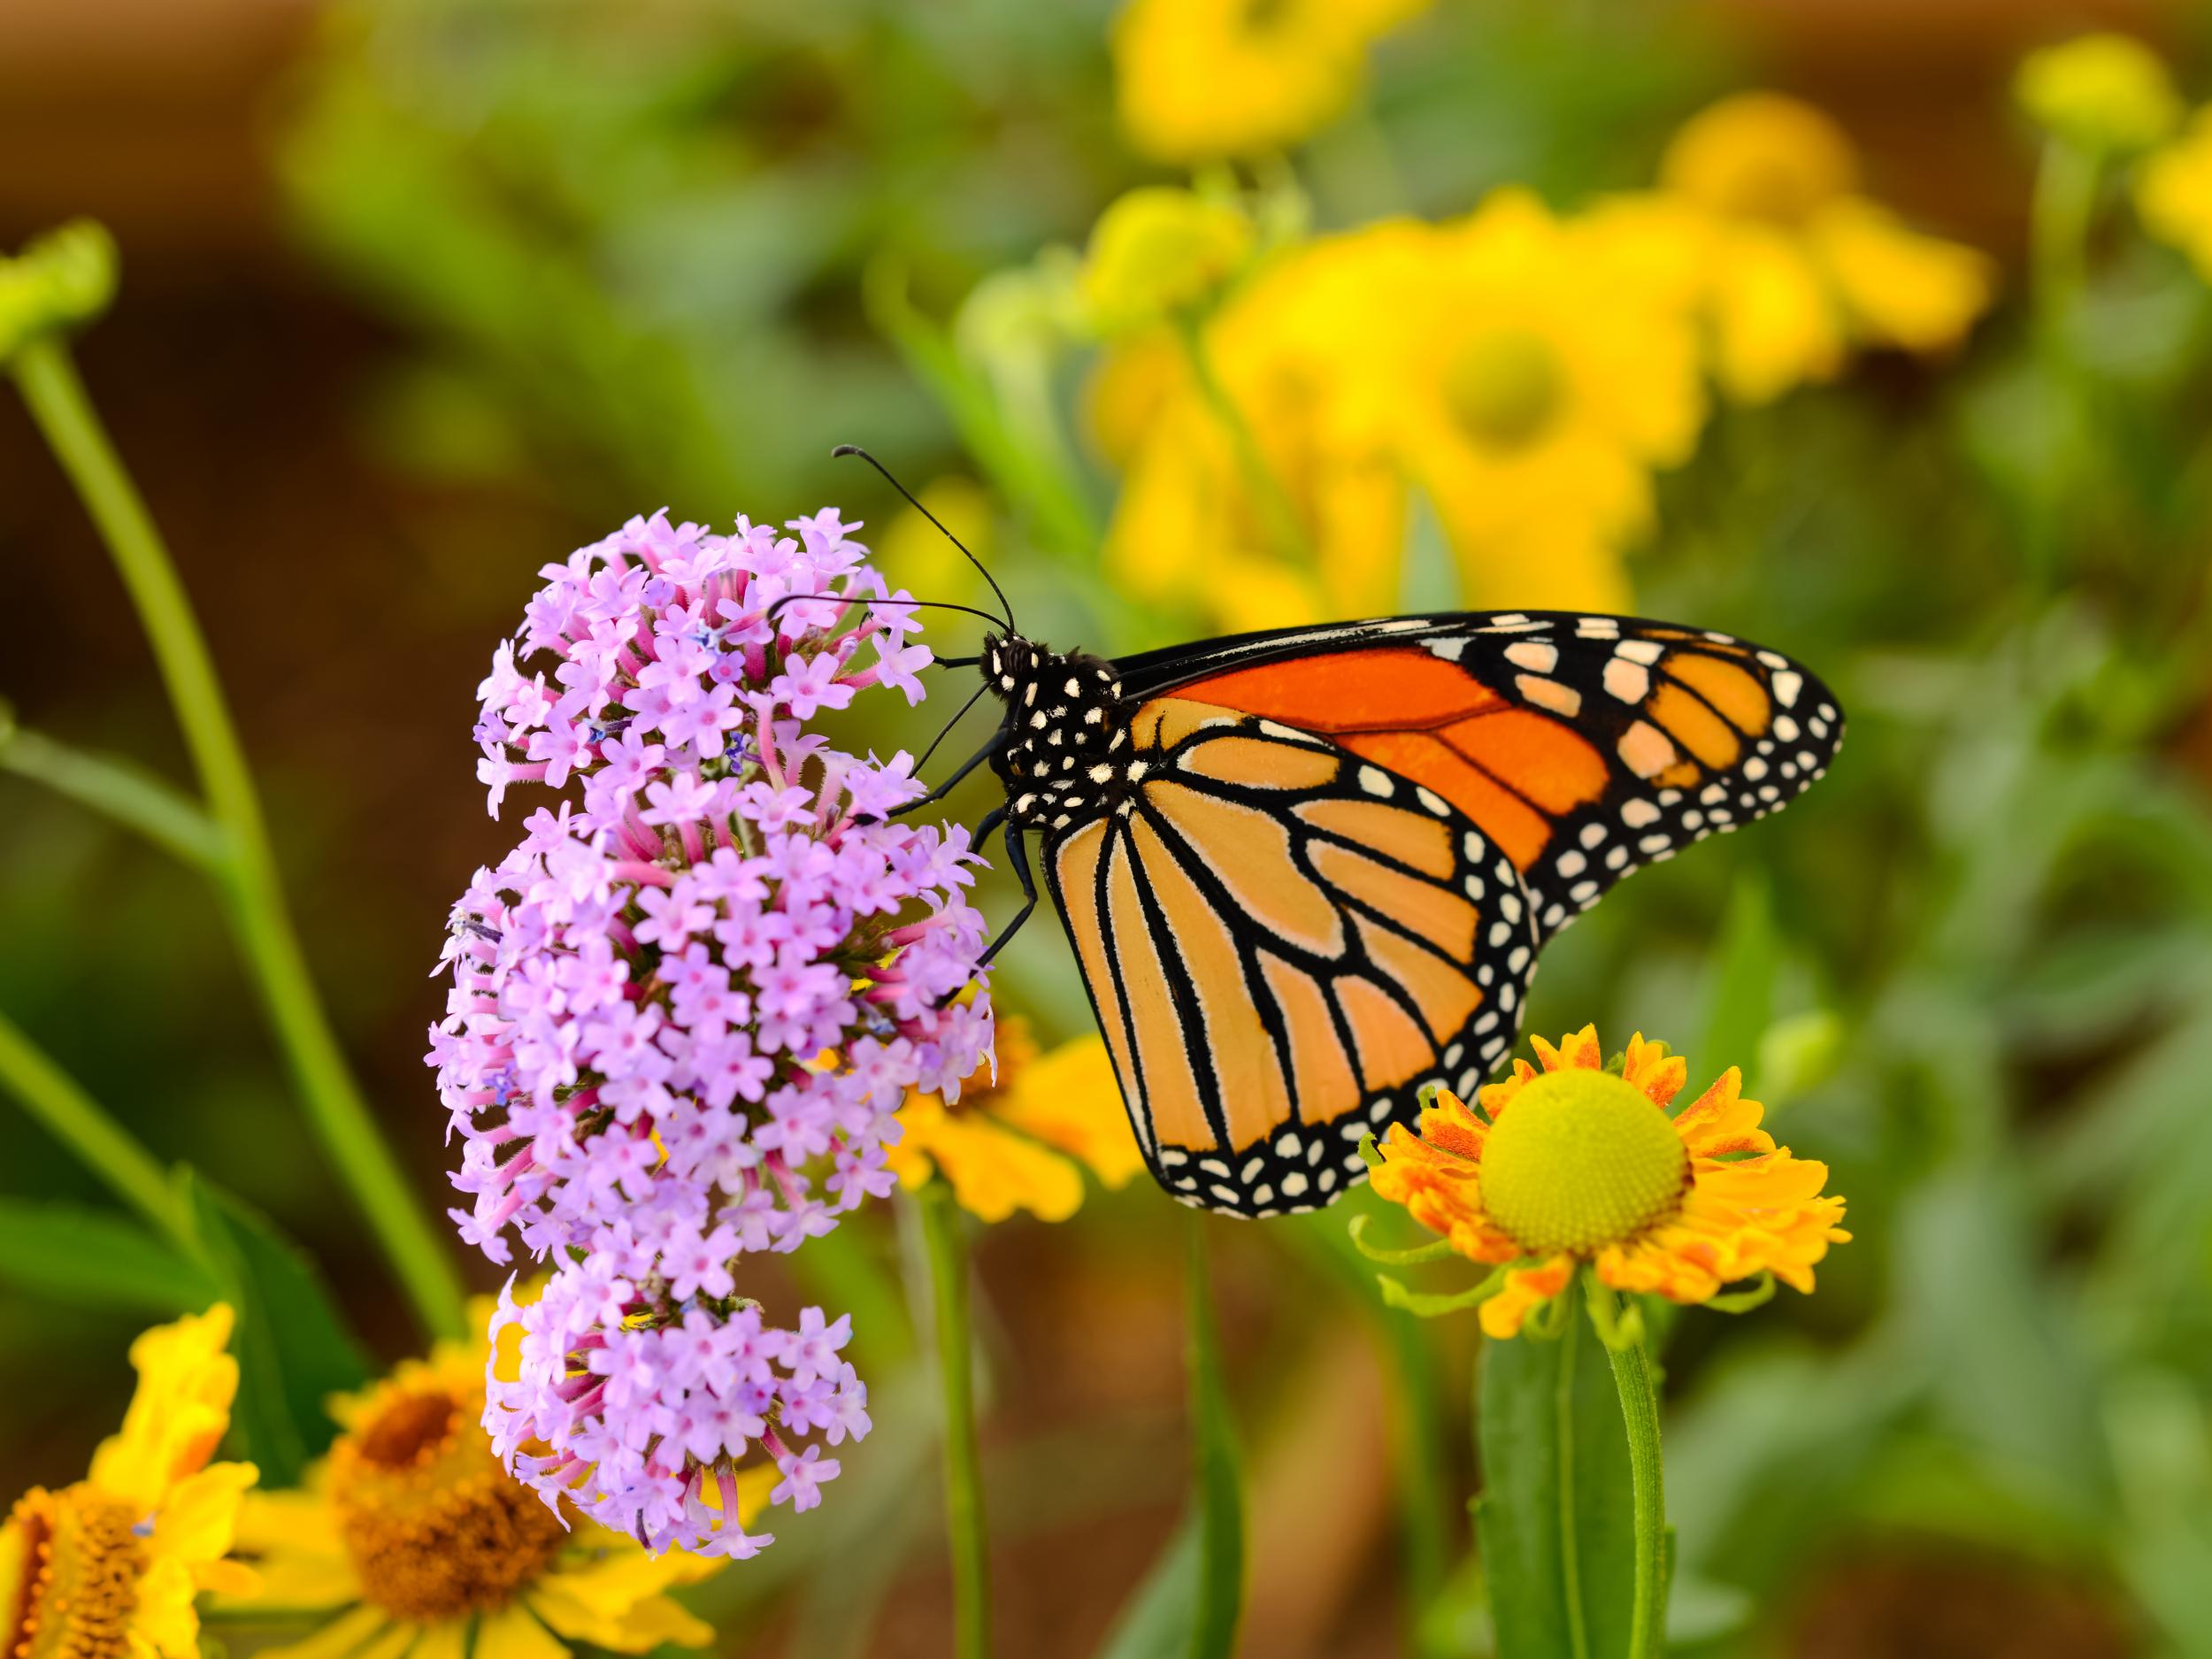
(1018,861)
(949,784)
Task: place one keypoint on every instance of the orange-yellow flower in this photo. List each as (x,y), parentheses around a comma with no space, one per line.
(110,1567)
(1760,223)
(1021,1140)
(1573,1163)
(410,1539)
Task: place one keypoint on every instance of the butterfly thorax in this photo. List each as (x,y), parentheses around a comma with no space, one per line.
(1066,753)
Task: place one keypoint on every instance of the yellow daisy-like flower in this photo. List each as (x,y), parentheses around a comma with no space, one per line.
(409,1536)
(1530,387)
(1019,1142)
(2108,93)
(1574,1163)
(111,1566)
(2174,193)
(1201,80)
(1288,350)
(1790,266)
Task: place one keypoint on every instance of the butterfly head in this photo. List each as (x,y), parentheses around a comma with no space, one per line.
(1065,738)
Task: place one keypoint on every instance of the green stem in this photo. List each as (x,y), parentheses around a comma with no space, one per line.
(105,1147)
(252,894)
(965,1526)
(1216,1478)
(1570,1532)
(1286,532)
(116,790)
(1633,1376)
(2065,203)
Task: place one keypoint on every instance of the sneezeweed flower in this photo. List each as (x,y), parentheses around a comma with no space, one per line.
(410,1537)
(111,1566)
(1161,251)
(644,989)
(1204,80)
(1021,1139)
(651,1396)
(1285,349)
(1579,1163)
(2173,192)
(2107,95)
(1791,268)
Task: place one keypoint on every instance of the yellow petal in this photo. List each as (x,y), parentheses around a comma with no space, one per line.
(994,1172)
(279,1523)
(641,1627)
(448,1639)
(200,1514)
(164,1616)
(301,1583)
(1775,322)
(337,1640)
(1902,289)
(179,1412)
(1069,1099)
(515,1633)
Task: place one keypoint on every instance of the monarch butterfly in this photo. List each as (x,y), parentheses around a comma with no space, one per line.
(1307,872)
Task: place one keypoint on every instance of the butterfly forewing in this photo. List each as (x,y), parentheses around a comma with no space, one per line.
(1583,746)
(1284,939)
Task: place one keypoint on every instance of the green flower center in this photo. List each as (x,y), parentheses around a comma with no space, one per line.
(1580,1160)
(1504,386)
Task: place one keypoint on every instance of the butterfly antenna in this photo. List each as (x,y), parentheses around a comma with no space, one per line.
(843,449)
(973,697)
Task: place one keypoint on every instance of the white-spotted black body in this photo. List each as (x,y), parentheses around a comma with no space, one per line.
(1066,753)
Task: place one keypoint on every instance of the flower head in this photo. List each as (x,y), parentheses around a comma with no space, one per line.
(1201,80)
(1021,1139)
(1760,227)
(686,1009)
(666,1418)
(1160,251)
(2174,193)
(410,1532)
(2107,94)
(111,1566)
(644,989)
(1575,1162)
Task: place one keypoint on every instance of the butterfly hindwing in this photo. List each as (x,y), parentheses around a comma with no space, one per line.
(1284,940)
(1584,746)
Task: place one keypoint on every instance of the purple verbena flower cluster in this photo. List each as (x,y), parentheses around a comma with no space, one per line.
(686,1007)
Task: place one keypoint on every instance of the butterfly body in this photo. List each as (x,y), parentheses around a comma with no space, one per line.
(1308,872)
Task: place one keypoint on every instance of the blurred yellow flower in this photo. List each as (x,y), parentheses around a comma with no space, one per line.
(410,1539)
(1020,1142)
(1201,80)
(2174,193)
(111,1566)
(1189,530)
(1159,252)
(1791,267)
(1574,1163)
(1529,389)
(2108,93)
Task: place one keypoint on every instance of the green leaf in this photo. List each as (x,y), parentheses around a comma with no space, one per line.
(1739,994)
(69,1253)
(293,1351)
(1556,1520)
(1190,1604)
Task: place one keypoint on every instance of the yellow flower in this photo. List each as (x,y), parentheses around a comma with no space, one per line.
(1531,387)
(1794,268)
(1287,350)
(2174,193)
(1587,1166)
(1200,79)
(1160,251)
(410,1535)
(1016,1143)
(2108,93)
(111,1566)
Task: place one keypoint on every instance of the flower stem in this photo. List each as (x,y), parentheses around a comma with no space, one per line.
(964,1524)
(1279,514)
(105,1147)
(247,879)
(1633,1376)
